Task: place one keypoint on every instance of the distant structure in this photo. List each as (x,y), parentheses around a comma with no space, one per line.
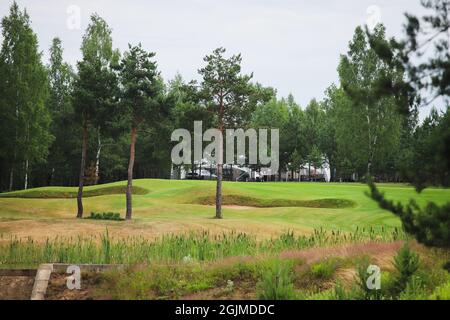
(203,170)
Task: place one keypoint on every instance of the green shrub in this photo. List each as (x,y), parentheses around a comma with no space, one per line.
(321,295)
(361,280)
(387,284)
(406,263)
(238,271)
(156,282)
(324,270)
(431,276)
(276,282)
(339,292)
(415,290)
(105,216)
(442,292)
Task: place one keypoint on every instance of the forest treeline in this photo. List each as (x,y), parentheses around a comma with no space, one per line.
(61,123)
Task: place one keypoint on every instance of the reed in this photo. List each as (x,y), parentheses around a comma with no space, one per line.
(197,246)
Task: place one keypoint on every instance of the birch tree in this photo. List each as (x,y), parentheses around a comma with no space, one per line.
(369,124)
(95,88)
(25,119)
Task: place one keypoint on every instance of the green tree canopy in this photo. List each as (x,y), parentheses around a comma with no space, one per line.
(372,124)
(25,121)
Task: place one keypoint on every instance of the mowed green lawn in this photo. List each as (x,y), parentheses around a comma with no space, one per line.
(170,206)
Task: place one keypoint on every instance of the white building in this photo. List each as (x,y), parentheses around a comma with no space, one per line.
(207,171)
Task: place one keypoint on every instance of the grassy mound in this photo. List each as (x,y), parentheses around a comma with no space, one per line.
(239,200)
(60,193)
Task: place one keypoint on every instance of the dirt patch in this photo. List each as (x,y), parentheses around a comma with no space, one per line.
(16,287)
(57,287)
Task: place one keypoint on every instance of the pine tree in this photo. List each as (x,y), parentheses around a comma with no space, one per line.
(428,74)
(140,87)
(226,92)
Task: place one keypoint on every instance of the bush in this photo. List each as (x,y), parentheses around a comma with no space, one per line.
(406,263)
(339,292)
(442,292)
(415,290)
(361,281)
(105,216)
(324,270)
(387,284)
(276,282)
(321,295)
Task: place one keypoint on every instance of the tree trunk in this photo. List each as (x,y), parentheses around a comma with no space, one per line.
(219,191)
(130,173)
(11,178)
(26,175)
(332,173)
(369,162)
(97,157)
(11,174)
(26,159)
(82,167)
(52,174)
(220,164)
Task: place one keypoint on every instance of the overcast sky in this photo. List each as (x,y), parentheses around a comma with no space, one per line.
(291,45)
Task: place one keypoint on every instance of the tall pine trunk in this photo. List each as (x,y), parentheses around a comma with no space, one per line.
(220,164)
(82,168)
(219,191)
(130,173)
